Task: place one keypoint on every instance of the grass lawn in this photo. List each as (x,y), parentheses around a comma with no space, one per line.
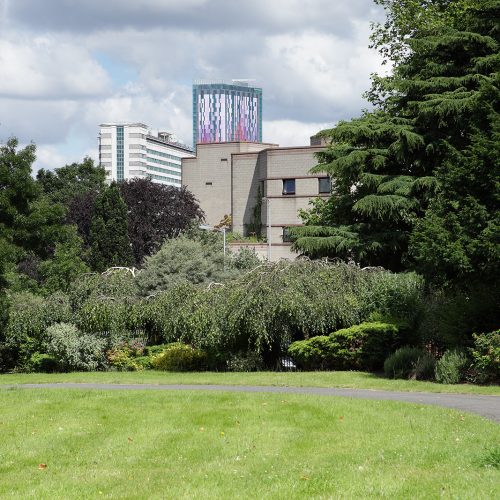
(357,380)
(143,444)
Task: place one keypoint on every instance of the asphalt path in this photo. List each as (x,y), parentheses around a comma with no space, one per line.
(486,406)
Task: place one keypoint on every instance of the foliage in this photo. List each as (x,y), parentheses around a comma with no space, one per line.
(420,169)
(410,363)
(360,347)
(156,212)
(29,318)
(44,363)
(192,259)
(17,191)
(125,356)
(114,284)
(486,357)
(178,357)
(248,362)
(457,240)
(109,231)
(179,260)
(450,317)
(266,309)
(451,368)
(64,183)
(74,350)
(65,266)
(80,210)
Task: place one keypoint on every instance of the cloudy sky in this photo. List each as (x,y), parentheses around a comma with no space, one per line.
(68,65)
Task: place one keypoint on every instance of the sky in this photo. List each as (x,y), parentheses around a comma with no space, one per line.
(68,65)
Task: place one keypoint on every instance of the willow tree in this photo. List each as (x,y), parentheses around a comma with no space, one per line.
(384,165)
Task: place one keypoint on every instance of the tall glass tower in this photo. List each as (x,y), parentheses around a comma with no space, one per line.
(226,111)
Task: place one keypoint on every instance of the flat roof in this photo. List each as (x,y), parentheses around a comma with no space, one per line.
(123,124)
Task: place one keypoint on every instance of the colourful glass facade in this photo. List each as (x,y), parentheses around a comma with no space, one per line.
(224,112)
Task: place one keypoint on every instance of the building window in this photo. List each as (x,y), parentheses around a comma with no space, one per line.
(288,186)
(119,154)
(286,235)
(324,185)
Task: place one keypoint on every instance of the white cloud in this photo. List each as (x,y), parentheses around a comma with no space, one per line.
(290,132)
(309,56)
(45,68)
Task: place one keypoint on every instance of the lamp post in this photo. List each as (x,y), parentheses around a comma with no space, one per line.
(268,217)
(206,227)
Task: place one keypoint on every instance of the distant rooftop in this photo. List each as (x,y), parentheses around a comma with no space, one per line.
(239,82)
(123,124)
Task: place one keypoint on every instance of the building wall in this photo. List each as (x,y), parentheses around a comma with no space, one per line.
(209,177)
(145,155)
(226,111)
(283,164)
(226,177)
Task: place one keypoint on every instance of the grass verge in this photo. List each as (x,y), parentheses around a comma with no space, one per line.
(139,444)
(354,380)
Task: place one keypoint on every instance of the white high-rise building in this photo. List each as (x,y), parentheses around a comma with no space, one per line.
(129,150)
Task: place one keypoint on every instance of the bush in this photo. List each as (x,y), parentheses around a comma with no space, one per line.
(249,362)
(451,368)
(124,356)
(486,357)
(360,347)
(74,350)
(313,354)
(178,357)
(29,317)
(43,363)
(450,316)
(410,363)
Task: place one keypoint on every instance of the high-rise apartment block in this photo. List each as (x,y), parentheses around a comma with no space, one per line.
(226,112)
(129,150)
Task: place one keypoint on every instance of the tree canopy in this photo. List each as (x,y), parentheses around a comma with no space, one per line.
(155,213)
(432,138)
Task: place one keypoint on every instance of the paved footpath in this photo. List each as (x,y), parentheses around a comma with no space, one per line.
(487,406)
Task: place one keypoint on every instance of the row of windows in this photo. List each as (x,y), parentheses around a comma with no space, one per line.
(163,170)
(164,155)
(119,154)
(165,179)
(163,162)
(324,186)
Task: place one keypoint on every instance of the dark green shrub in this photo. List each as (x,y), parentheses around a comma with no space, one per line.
(29,317)
(74,350)
(360,347)
(364,346)
(42,363)
(486,357)
(451,368)
(178,357)
(313,354)
(248,362)
(410,363)
(451,316)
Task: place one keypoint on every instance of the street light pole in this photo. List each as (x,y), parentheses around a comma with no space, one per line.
(224,261)
(268,229)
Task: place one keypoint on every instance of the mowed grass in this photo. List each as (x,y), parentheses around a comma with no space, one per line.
(355,380)
(192,444)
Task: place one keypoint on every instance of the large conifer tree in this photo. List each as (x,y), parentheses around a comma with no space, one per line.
(388,164)
(110,244)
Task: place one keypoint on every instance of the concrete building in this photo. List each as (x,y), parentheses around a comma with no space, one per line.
(129,150)
(234,178)
(226,112)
